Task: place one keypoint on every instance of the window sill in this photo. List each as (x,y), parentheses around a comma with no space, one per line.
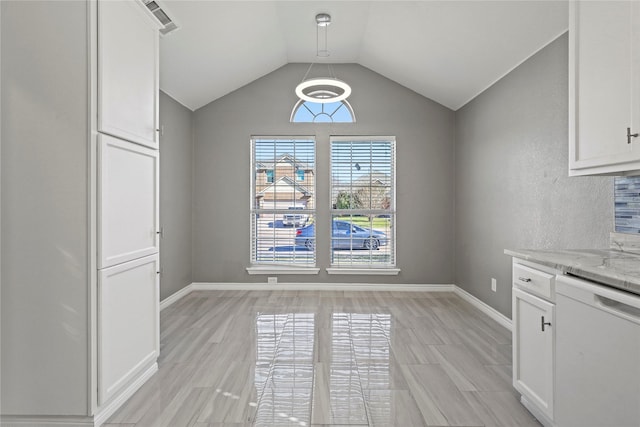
(281,270)
(364,271)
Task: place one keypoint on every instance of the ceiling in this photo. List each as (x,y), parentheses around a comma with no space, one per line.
(448,51)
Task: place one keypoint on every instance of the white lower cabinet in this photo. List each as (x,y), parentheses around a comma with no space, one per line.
(128,324)
(533,350)
(534,338)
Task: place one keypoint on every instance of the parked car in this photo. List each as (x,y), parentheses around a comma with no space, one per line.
(345,235)
(293,218)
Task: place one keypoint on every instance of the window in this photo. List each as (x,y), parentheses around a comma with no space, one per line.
(269,174)
(363,202)
(300,175)
(283,209)
(313,112)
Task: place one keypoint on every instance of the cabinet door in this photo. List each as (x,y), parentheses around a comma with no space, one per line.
(127,72)
(533,349)
(127,201)
(128,324)
(603,90)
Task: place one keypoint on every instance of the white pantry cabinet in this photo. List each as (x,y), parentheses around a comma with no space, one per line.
(534,338)
(128,323)
(127,72)
(604,87)
(128,205)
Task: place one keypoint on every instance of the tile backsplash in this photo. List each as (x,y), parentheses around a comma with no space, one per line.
(627,204)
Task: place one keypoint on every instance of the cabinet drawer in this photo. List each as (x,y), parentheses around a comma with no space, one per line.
(533,280)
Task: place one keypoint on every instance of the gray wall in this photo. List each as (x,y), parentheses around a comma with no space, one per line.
(44,208)
(424,132)
(512,189)
(175,196)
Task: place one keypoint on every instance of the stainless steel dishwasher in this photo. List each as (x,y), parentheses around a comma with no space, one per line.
(597,355)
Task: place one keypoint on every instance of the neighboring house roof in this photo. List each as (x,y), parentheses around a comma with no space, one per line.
(288,182)
(377,179)
(285,158)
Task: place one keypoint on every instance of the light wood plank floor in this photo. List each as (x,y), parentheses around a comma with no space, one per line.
(305,358)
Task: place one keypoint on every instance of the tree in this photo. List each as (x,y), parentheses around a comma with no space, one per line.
(346,200)
(374,197)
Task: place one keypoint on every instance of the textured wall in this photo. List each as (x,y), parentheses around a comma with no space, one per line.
(176,150)
(512,189)
(424,132)
(44,208)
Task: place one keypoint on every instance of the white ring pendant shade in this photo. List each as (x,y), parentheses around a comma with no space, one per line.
(322,90)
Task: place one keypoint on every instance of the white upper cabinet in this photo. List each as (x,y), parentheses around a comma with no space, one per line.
(128,220)
(604,87)
(127,72)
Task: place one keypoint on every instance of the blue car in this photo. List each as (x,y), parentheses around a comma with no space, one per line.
(345,235)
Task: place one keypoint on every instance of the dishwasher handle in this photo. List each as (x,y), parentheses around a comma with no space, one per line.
(616,302)
(618,308)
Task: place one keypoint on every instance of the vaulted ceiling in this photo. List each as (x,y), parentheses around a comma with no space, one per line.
(448,51)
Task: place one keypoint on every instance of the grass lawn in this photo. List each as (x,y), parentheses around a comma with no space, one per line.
(363,221)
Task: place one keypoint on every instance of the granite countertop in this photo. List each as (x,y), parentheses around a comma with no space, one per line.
(610,267)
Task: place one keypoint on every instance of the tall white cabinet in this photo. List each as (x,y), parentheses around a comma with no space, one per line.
(127,198)
(604,87)
(80,222)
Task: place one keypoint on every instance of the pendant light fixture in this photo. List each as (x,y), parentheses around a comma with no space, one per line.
(322,90)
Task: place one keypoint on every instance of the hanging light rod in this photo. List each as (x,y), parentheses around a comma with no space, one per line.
(322,90)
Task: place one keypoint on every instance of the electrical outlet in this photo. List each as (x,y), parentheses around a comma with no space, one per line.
(494,284)
(272,280)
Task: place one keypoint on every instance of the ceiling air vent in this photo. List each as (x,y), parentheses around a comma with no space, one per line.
(160,12)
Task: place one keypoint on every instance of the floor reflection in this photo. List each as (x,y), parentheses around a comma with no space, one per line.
(292,387)
(284,368)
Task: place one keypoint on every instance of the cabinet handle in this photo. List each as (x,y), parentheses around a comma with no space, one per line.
(524,279)
(630,135)
(543,323)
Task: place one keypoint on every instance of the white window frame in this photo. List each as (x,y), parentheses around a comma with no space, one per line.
(366,269)
(277,267)
(303,104)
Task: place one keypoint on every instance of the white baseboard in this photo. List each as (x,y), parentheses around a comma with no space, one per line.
(27,421)
(175,296)
(109,409)
(213,286)
(484,307)
(410,287)
(542,418)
